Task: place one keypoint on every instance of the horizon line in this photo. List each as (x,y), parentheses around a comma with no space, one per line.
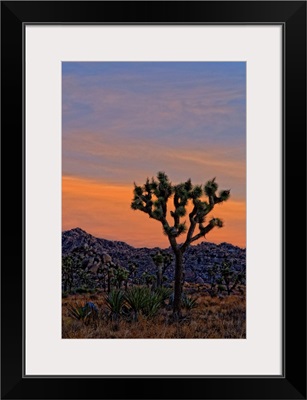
(145,247)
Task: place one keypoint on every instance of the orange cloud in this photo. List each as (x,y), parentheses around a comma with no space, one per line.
(103,210)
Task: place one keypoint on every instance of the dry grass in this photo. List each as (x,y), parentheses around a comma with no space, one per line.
(218,318)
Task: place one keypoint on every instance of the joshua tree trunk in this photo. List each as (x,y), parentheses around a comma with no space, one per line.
(178,283)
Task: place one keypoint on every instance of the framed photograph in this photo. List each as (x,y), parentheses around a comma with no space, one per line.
(161,153)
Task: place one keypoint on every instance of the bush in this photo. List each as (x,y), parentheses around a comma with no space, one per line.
(81,290)
(153,305)
(83,313)
(115,301)
(136,299)
(141,299)
(164,293)
(188,303)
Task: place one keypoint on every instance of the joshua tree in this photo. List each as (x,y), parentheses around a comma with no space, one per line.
(162,260)
(115,275)
(121,275)
(148,279)
(229,278)
(67,273)
(132,267)
(152,198)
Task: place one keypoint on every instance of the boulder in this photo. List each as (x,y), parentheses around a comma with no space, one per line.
(200,281)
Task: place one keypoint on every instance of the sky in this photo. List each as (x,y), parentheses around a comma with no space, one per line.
(124,121)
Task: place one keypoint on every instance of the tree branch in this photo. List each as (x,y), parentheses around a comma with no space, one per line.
(214,222)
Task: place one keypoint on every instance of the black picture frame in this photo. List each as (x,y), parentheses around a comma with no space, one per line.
(292,16)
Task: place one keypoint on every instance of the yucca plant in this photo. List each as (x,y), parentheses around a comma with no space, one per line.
(164,293)
(153,304)
(76,312)
(136,298)
(188,303)
(115,301)
(83,313)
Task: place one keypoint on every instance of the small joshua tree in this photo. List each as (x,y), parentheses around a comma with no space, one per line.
(116,275)
(148,279)
(162,260)
(213,275)
(67,273)
(229,278)
(121,275)
(152,198)
(132,267)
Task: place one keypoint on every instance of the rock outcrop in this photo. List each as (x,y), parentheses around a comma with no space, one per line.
(92,253)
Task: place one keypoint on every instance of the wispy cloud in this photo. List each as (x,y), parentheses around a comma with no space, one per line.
(119,161)
(158,104)
(123,122)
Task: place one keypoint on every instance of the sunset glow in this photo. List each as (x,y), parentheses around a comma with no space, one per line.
(124,122)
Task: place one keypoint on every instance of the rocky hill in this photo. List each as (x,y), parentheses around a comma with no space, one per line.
(93,252)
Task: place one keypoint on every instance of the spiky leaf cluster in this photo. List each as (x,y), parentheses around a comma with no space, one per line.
(211,189)
(83,313)
(157,258)
(115,301)
(152,197)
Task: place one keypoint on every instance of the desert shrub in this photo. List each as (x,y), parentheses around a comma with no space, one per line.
(81,290)
(164,293)
(83,313)
(136,298)
(143,300)
(188,302)
(152,305)
(114,302)
(221,288)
